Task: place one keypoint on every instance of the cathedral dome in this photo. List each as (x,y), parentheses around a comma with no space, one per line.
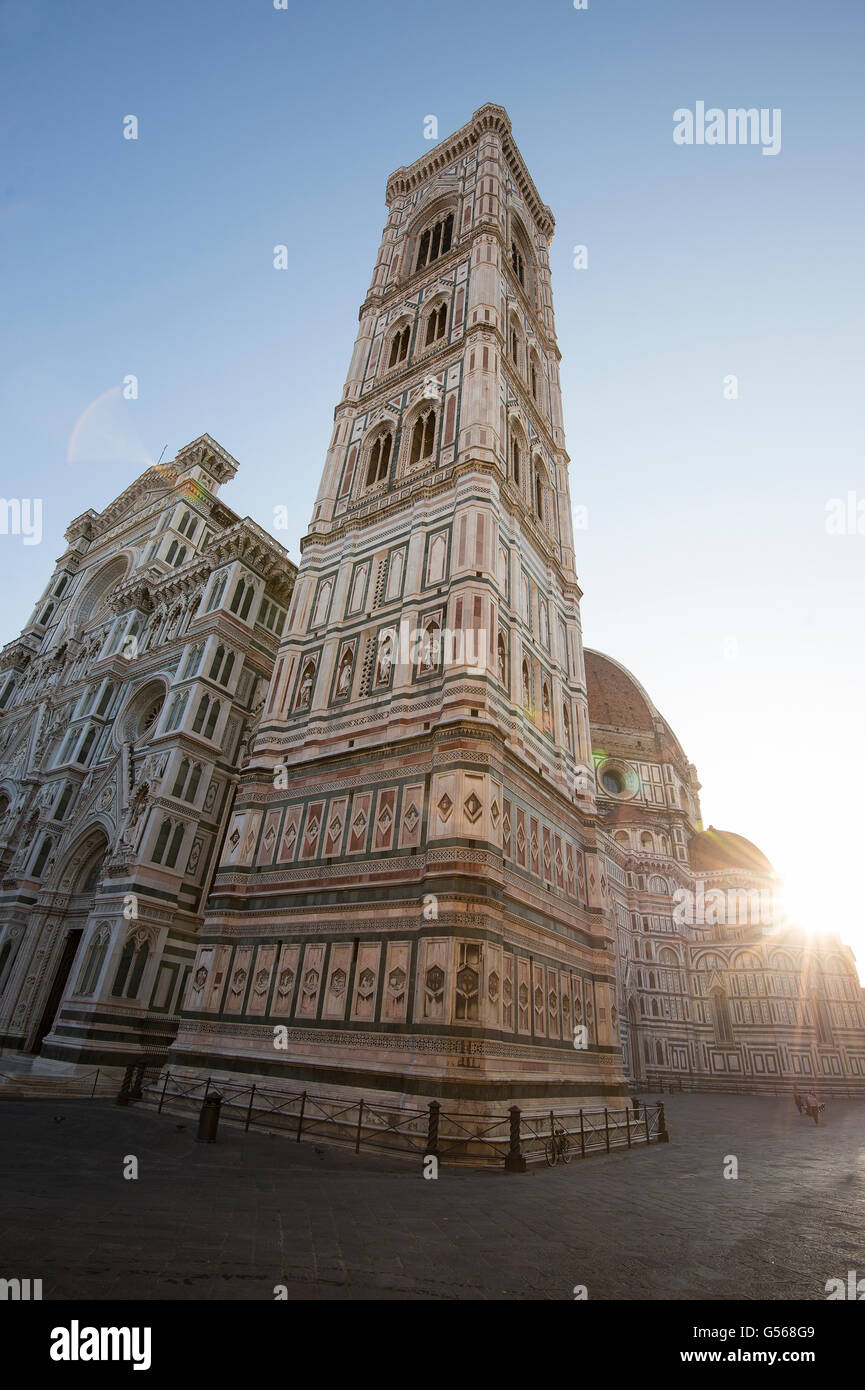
(721,849)
(615,697)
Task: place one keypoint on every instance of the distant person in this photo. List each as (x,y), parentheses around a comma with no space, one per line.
(798,1100)
(813,1107)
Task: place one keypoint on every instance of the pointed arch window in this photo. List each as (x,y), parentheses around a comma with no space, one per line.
(515,459)
(515,347)
(174,847)
(518,263)
(533,376)
(123,969)
(436,325)
(93,963)
(217,661)
(539,497)
(42,856)
(161,842)
(399,346)
(423,437)
(138,970)
(435,241)
(200,714)
(379,459)
(211,719)
(180,779)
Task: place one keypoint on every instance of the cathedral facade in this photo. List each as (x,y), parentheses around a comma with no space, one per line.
(128,702)
(382,824)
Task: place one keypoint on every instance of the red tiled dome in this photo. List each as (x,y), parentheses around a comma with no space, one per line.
(614,696)
(720,849)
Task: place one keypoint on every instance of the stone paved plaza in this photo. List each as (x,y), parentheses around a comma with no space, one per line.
(231,1220)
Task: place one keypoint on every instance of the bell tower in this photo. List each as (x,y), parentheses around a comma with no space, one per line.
(410,882)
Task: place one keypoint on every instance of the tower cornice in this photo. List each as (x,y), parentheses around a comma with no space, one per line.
(488,117)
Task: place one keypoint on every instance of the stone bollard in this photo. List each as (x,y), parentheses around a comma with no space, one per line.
(208,1119)
(123,1093)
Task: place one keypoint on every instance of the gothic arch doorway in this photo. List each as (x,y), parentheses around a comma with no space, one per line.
(80,903)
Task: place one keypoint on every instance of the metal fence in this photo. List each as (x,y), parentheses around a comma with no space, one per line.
(515,1138)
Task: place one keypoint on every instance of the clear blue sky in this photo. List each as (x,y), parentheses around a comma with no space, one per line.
(258,127)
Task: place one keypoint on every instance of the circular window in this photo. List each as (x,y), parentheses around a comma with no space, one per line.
(613,781)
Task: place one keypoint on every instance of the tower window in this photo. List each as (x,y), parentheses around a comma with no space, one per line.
(515,461)
(518,263)
(399,346)
(436,325)
(379,459)
(435,241)
(423,437)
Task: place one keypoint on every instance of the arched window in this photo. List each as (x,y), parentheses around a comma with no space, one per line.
(423,437)
(399,346)
(227,669)
(138,970)
(106,698)
(533,380)
(217,592)
(46,614)
(539,496)
(123,969)
(518,263)
(212,718)
(515,346)
(379,459)
(435,241)
(237,597)
(61,585)
(180,779)
(86,747)
(93,963)
(63,803)
(217,662)
(436,325)
(174,847)
(200,714)
(161,841)
(191,790)
(42,856)
(515,459)
(172,551)
(181,556)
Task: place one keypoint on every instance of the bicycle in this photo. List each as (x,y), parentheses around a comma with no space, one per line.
(556,1148)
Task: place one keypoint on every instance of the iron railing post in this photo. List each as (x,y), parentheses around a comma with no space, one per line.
(646,1114)
(95,1083)
(432,1138)
(300,1116)
(164,1086)
(582,1137)
(514,1161)
(359,1123)
(249,1107)
(628,1123)
(607,1129)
